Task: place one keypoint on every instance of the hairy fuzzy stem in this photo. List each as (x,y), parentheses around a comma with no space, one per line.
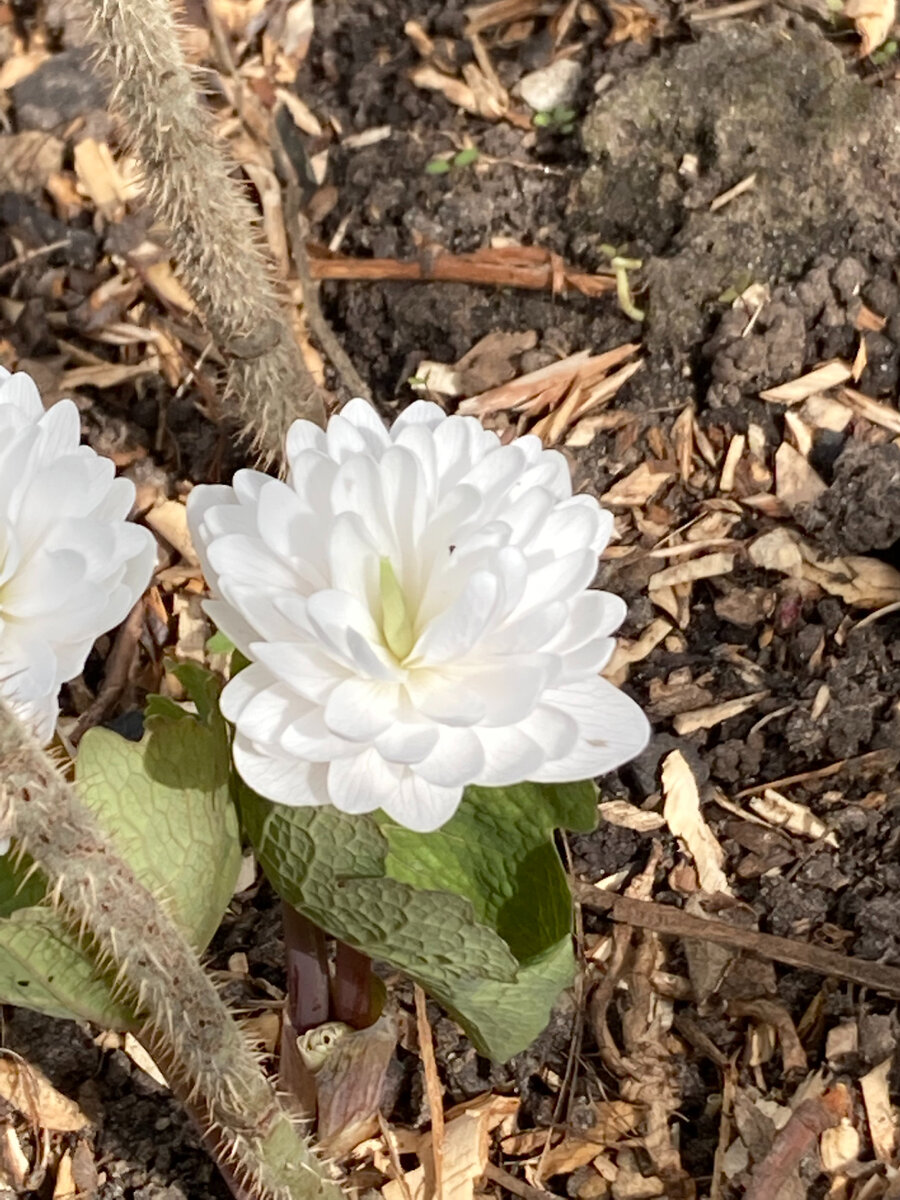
(185,1021)
(211,223)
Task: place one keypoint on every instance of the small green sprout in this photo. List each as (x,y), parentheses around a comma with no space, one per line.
(466,157)
(559,119)
(883,55)
(442,165)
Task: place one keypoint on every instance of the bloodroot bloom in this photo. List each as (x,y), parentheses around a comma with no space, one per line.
(71,566)
(414,604)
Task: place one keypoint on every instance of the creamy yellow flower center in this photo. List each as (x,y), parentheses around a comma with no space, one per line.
(396,625)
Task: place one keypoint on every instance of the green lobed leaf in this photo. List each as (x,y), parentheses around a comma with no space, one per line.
(166,802)
(478,912)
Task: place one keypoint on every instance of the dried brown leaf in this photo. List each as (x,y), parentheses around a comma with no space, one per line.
(682,813)
(29,1091)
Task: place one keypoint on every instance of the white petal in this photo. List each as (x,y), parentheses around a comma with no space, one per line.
(362,783)
(288,781)
(304,435)
(420,806)
(20,391)
(404,743)
(200,503)
(360,709)
(453,634)
(420,412)
(612,729)
(246,560)
(510,756)
(457,759)
(362,415)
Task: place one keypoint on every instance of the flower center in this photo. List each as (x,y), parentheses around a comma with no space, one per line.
(396,626)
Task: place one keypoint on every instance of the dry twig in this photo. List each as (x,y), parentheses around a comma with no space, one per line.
(662,918)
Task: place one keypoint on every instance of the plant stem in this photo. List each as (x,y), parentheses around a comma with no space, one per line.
(352,996)
(211,223)
(306,961)
(185,1023)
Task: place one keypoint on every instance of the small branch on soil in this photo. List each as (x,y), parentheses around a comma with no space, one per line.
(514,266)
(872,760)
(513,1184)
(211,224)
(185,1023)
(662,918)
(297,228)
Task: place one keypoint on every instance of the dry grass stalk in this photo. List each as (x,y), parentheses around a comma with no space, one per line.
(211,223)
(560,394)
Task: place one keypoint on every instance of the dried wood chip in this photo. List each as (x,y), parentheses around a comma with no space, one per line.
(822,412)
(683,440)
(867,321)
(860,361)
(732,458)
(801,434)
(584,432)
(466,1146)
(106,186)
(628,816)
(64,1186)
(169,520)
(615,1120)
(501,12)
(455,90)
(873,20)
(627,653)
(29,1091)
(795,480)
(879,1111)
(306,120)
(639,486)
(706,567)
(774,1014)
(839,1146)
(682,813)
(715,714)
(732,193)
(827,376)
(872,410)
(14,1164)
(107,375)
(865,582)
(582,399)
(538,389)
(778,810)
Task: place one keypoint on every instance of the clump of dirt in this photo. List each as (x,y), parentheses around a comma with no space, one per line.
(860,511)
(776,103)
